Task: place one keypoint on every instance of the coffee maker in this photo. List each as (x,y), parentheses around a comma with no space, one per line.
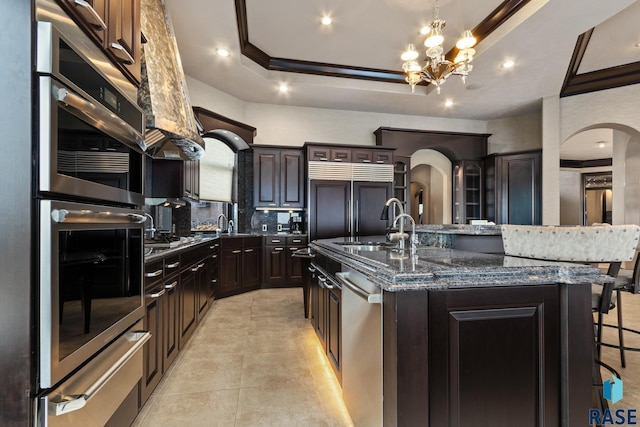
(296,224)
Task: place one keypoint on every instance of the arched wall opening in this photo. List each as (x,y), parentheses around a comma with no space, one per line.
(433,176)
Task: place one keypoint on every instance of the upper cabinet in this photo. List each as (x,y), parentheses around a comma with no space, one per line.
(279,179)
(350,155)
(114,25)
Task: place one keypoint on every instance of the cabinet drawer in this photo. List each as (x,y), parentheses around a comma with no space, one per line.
(382,157)
(231,243)
(252,242)
(296,240)
(341,155)
(275,240)
(172,265)
(362,156)
(319,153)
(153,272)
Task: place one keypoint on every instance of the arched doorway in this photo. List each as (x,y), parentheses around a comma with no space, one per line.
(621,144)
(431,184)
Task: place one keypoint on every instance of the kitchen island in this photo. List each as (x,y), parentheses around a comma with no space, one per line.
(475,238)
(471,339)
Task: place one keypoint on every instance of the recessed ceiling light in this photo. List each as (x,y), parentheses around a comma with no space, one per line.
(326,20)
(601,144)
(508,64)
(222,52)
(283,88)
(425,30)
(637,44)
(448,103)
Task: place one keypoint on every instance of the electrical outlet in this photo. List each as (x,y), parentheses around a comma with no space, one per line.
(264,227)
(279,227)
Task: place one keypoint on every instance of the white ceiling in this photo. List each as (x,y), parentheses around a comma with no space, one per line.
(540,38)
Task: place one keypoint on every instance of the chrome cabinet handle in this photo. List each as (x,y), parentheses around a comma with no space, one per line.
(154,274)
(62,404)
(214,256)
(311,269)
(248,250)
(198,267)
(171,285)
(156,294)
(174,265)
(122,54)
(278,249)
(90,14)
(214,246)
(275,241)
(214,280)
(297,241)
(236,251)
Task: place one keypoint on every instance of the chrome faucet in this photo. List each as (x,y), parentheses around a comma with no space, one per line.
(412,238)
(385,210)
(224,225)
(151,230)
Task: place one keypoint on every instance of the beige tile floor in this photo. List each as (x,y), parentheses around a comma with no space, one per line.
(255,361)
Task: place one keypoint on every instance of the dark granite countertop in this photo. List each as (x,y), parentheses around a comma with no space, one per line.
(441,268)
(153,254)
(475,230)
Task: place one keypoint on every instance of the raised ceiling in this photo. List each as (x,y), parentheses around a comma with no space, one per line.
(540,37)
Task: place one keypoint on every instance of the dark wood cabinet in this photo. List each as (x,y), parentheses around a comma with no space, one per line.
(375,156)
(279,266)
(329,209)
(467,192)
(240,264)
(153,350)
(164,178)
(188,298)
(90,15)
(513,186)
(202,280)
(171,321)
(329,154)
(114,25)
(124,36)
(319,309)
(213,260)
(279,180)
(368,200)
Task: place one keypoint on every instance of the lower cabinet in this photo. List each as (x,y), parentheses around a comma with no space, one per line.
(280,268)
(171,321)
(153,351)
(325,316)
(240,264)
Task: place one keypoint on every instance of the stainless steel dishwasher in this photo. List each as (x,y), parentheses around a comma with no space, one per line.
(361,347)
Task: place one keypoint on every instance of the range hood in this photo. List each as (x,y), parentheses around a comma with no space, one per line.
(171,127)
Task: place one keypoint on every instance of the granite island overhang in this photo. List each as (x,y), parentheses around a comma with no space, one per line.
(475,339)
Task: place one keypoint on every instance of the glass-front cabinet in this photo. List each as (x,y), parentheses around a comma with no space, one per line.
(467,192)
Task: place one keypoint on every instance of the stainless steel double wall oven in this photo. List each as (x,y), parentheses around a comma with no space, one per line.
(89,170)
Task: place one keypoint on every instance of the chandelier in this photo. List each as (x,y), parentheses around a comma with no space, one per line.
(438,68)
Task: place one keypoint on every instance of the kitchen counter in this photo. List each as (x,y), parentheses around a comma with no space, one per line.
(469,338)
(442,268)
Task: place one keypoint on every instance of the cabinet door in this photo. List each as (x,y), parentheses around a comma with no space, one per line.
(275,264)
(292,180)
(251,261)
(382,157)
(171,322)
(321,312)
(153,352)
(334,343)
(202,279)
(266,175)
(319,153)
(188,178)
(123,36)
(230,270)
(213,272)
(329,210)
(90,16)
(402,180)
(341,155)
(369,199)
(518,179)
(188,304)
(294,267)
(361,155)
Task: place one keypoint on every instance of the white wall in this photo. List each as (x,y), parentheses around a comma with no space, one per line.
(293,126)
(515,133)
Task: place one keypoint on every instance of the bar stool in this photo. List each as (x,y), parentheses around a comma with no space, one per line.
(624,283)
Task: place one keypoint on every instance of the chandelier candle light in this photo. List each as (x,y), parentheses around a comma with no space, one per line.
(438,68)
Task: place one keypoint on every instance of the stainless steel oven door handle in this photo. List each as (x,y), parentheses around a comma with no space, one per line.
(371,298)
(99,116)
(65,404)
(88,216)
